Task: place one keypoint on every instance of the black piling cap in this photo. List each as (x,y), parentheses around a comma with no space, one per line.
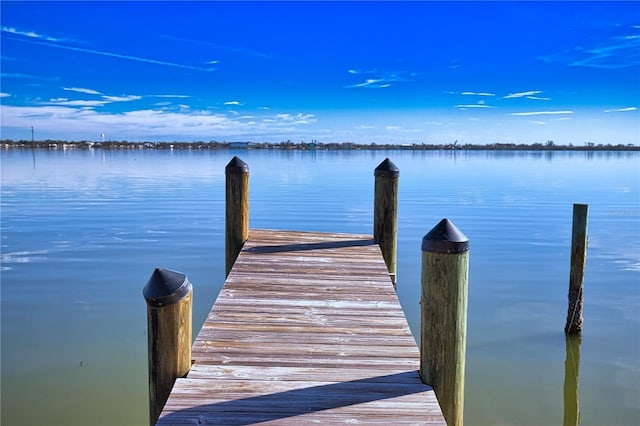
(165,288)
(387,169)
(445,238)
(236,165)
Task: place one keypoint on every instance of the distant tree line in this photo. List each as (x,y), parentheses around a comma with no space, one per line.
(313,145)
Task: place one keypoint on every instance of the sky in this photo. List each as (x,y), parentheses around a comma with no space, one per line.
(363,72)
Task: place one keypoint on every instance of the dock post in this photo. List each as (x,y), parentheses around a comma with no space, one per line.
(237,209)
(169,306)
(576,274)
(385,214)
(443,330)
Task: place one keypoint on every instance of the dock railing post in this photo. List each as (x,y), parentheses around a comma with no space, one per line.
(237,210)
(576,274)
(169,312)
(443,330)
(385,213)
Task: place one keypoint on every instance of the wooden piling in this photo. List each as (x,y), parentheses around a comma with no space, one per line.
(385,213)
(169,312)
(576,274)
(571,415)
(237,209)
(445,271)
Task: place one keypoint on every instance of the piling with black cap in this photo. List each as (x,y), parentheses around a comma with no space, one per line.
(237,209)
(385,213)
(169,312)
(443,330)
(576,274)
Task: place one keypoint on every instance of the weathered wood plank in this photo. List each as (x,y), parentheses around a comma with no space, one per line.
(307,329)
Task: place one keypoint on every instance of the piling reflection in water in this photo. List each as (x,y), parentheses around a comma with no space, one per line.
(571,372)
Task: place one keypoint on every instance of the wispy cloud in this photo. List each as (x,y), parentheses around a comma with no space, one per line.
(538,98)
(616,51)
(477,94)
(30,34)
(541,113)
(235,49)
(168,96)
(80,123)
(372,83)
(27,76)
(126,98)
(380,79)
(473,106)
(237,103)
(56,45)
(4,95)
(82,90)
(76,103)
(621,109)
(522,94)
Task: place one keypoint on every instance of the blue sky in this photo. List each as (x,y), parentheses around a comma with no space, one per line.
(413,72)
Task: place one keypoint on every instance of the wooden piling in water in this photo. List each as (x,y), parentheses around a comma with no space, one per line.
(385,213)
(237,209)
(169,311)
(576,274)
(445,272)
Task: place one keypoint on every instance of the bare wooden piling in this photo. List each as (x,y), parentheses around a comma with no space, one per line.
(237,209)
(445,271)
(169,311)
(576,274)
(385,214)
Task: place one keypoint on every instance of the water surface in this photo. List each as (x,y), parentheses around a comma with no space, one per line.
(82,232)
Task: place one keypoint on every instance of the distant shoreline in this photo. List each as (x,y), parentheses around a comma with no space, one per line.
(310,146)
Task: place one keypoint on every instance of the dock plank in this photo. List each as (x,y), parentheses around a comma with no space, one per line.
(307,329)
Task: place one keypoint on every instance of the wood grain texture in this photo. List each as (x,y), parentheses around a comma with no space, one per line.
(576,273)
(443,329)
(307,329)
(169,354)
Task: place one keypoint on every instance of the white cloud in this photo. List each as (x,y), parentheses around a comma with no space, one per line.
(542,123)
(473,106)
(522,94)
(4,95)
(541,113)
(393,128)
(65,121)
(621,109)
(233,103)
(30,34)
(211,62)
(374,83)
(82,90)
(81,103)
(168,96)
(538,98)
(477,93)
(117,55)
(122,98)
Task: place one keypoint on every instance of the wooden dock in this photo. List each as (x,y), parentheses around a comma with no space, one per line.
(306,329)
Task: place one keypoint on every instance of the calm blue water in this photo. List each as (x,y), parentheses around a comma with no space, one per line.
(82,232)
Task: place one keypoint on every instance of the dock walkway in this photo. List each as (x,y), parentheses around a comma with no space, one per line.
(306,329)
